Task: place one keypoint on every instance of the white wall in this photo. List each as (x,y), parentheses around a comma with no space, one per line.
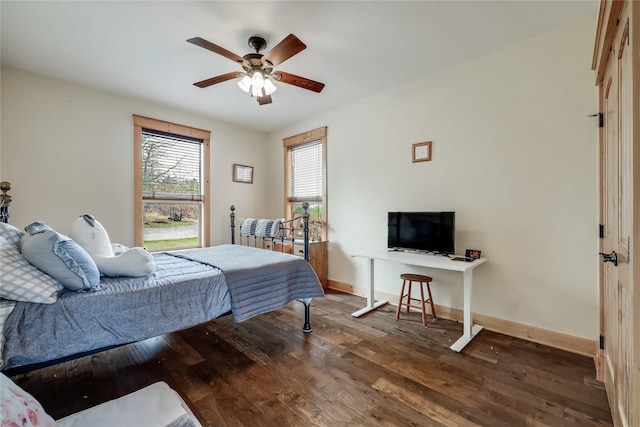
(68,149)
(514,155)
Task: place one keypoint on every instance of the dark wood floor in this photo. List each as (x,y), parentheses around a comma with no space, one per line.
(368,371)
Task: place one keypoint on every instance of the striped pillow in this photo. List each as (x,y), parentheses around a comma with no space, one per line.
(261,227)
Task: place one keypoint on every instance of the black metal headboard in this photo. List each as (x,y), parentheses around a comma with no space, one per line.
(5,201)
(289,231)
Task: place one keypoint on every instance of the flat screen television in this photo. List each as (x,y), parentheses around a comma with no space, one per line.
(422,231)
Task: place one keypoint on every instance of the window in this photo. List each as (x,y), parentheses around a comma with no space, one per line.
(305,176)
(171,185)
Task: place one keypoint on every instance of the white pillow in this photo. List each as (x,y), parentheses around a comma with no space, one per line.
(92,236)
(21,281)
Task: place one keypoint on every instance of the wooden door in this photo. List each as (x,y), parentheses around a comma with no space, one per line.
(620,210)
(623,391)
(609,244)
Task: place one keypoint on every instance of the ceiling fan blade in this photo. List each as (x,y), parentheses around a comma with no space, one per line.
(284,50)
(266,99)
(302,82)
(217,79)
(216,49)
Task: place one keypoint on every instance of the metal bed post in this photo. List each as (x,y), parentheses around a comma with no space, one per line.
(292,234)
(305,229)
(233,225)
(305,232)
(5,201)
(283,232)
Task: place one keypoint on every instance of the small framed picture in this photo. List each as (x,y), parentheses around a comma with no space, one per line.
(422,152)
(472,254)
(242,173)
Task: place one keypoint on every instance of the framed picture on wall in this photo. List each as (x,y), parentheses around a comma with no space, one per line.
(422,152)
(243,173)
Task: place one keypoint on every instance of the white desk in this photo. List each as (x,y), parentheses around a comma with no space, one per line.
(431,261)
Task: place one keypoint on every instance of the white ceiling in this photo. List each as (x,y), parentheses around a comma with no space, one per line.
(357,48)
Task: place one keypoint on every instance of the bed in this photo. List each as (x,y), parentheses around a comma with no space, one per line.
(188,287)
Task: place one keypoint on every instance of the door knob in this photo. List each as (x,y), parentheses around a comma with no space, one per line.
(612,257)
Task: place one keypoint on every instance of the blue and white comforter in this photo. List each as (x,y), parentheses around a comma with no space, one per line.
(188,288)
(259,280)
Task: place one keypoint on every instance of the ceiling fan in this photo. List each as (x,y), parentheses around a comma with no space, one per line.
(258,68)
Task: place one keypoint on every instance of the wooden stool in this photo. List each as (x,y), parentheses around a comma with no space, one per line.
(423,280)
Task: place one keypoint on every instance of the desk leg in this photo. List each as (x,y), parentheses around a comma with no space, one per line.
(371,303)
(469,330)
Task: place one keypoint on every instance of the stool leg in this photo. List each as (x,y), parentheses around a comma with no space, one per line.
(409,296)
(433,307)
(404,282)
(424,309)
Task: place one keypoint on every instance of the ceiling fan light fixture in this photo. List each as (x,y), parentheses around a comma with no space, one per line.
(269,87)
(257,77)
(245,83)
(256,91)
(257,80)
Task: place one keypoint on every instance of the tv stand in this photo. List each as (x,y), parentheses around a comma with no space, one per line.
(431,261)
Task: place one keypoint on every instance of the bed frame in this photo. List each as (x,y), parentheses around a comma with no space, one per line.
(288,233)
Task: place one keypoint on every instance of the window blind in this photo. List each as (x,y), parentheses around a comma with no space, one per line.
(305,178)
(171,167)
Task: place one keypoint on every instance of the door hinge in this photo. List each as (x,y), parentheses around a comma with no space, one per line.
(601,342)
(600,117)
(601,230)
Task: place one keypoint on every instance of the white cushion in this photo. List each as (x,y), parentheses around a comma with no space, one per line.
(153,406)
(134,262)
(89,233)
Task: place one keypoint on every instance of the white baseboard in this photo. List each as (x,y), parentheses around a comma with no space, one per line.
(554,339)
